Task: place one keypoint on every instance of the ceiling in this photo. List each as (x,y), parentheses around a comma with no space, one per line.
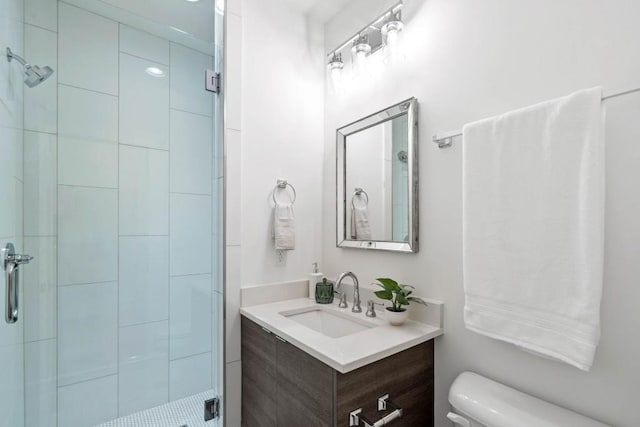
(319,10)
(194,18)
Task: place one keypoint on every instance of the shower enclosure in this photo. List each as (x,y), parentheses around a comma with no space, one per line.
(110,213)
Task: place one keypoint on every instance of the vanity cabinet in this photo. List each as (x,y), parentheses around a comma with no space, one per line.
(286,387)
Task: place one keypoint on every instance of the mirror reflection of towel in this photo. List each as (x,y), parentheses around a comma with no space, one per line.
(284,232)
(360,229)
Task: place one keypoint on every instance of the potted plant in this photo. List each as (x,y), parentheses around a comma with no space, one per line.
(399,295)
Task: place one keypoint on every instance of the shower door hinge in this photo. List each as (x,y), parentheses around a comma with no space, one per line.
(212,81)
(212,409)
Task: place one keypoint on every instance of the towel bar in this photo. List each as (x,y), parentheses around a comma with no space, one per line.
(282,184)
(445,139)
(359,192)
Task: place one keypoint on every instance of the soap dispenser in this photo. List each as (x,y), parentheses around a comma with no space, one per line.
(314,277)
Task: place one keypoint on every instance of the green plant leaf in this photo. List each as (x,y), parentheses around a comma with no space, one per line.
(417,300)
(388,284)
(384,294)
(402,299)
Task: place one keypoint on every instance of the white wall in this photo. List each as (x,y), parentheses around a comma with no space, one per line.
(465,60)
(273,129)
(282,99)
(366,168)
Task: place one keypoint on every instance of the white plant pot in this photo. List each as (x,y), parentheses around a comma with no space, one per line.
(397,318)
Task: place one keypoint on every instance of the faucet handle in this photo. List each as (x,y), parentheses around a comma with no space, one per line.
(343,299)
(371,308)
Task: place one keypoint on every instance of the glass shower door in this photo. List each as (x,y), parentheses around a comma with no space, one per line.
(11,190)
(110,173)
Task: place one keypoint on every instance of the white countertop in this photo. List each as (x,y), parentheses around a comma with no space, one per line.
(346,353)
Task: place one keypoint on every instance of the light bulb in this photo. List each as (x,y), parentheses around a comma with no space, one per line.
(390,32)
(335,68)
(360,50)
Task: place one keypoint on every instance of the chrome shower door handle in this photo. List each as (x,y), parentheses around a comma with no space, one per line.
(12,262)
(12,279)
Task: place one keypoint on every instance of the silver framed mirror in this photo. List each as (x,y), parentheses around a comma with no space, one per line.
(377,180)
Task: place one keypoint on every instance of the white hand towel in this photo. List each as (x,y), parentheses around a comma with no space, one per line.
(533,227)
(284,232)
(360,228)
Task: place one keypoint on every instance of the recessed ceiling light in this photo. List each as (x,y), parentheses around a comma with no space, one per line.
(154,71)
(193,1)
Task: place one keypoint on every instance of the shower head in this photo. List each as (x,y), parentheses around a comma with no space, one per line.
(33,74)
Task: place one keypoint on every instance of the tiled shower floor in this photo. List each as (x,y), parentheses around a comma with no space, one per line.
(184,412)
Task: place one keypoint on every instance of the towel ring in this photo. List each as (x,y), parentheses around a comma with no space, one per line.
(359,192)
(282,185)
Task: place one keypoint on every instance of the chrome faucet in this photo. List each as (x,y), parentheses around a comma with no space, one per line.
(356,290)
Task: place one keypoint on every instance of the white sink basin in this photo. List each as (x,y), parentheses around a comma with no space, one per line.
(330,323)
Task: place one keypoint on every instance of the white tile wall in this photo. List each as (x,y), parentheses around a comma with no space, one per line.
(87,332)
(40,106)
(11,187)
(40,383)
(88,135)
(88,50)
(87,115)
(143,380)
(234,186)
(187,70)
(41,13)
(40,290)
(234,72)
(88,235)
(233,396)
(87,163)
(191,153)
(190,315)
(144,279)
(144,103)
(40,189)
(143,45)
(144,191)
(190,232)
(88,403)
(189,376)
(232,296)
(12,385)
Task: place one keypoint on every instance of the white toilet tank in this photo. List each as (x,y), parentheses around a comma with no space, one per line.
(477,401)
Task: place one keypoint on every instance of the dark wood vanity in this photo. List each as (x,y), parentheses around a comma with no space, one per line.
(286,387)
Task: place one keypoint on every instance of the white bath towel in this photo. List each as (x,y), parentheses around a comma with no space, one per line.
(360,228)
(533,227)
(284,232)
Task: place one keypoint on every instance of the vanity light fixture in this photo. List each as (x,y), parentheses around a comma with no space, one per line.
(379,33)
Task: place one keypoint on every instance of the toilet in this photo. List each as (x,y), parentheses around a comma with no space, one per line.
(477,401)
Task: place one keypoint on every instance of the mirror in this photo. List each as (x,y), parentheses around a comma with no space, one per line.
(377,180)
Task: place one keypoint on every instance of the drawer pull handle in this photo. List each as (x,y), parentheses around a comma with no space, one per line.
(383,403)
